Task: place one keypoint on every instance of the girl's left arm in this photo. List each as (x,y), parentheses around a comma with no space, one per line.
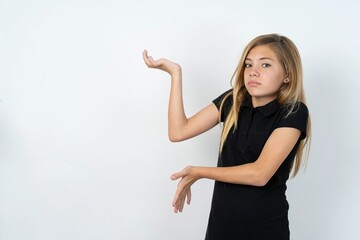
(276,149)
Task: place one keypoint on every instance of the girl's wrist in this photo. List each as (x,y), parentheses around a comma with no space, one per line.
(176,73)
(176,78)
(196,172)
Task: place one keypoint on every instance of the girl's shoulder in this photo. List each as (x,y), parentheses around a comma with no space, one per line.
(217,101)
(294,109)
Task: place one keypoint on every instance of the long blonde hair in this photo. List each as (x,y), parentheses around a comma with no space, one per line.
(290,94)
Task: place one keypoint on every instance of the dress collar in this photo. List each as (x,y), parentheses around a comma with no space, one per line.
(266,109)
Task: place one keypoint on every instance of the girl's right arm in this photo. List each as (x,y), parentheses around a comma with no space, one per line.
(179,126)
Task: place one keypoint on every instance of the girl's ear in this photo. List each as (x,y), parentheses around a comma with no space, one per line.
(286,80)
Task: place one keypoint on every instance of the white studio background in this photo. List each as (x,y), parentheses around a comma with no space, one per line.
(84,152)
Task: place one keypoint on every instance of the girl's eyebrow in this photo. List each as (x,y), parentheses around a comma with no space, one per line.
(262,58)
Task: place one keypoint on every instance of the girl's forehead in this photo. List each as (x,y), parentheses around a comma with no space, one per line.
(261,51)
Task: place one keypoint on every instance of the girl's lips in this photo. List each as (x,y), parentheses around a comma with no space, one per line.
(253,83)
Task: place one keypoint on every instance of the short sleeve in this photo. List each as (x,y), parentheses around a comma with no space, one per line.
(227,105)
(297,119)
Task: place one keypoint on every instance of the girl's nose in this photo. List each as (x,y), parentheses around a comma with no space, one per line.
(253,72)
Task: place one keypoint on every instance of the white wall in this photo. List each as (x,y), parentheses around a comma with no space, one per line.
(83,130)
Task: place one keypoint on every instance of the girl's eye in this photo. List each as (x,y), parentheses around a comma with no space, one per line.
(266,65)
(247,65)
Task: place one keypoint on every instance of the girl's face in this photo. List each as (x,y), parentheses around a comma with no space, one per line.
(263,75)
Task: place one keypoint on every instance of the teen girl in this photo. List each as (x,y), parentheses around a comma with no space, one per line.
(266,125)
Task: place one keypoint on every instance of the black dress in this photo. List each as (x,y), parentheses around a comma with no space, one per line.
(243,212)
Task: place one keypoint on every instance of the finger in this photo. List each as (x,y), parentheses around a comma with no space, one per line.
(181,204)
(176,198)
(177,175)
(145,54)
(174,176)
(188,196)
(177,205)
(180,192)
(152,61)
(148,59)
(175,209)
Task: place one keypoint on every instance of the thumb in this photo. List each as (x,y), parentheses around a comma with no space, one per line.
(176,176)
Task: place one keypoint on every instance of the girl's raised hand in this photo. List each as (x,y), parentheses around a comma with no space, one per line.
(162,64)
